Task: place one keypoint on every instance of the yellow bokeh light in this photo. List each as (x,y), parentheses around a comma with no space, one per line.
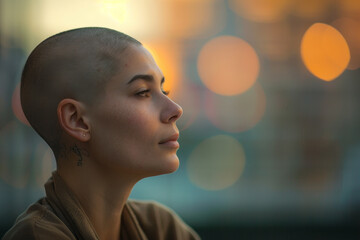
(261,10)
(16,106)
(168,57)
(349,29)
(324,51)
(236,113)
(228,65)
(216,163)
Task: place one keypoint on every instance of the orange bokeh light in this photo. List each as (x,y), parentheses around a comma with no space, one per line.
(236,113)
(169,59)
(228,65)
(324,51)
(261,10)
(16,106)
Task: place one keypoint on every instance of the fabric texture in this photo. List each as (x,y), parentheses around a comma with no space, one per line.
(59,215)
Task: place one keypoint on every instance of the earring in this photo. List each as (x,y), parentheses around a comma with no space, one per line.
(84,134)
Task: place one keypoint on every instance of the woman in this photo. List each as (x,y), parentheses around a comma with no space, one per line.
(95,96)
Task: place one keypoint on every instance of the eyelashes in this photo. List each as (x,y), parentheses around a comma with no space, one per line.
(146,93)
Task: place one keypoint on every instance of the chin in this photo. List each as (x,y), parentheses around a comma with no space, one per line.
(170,166)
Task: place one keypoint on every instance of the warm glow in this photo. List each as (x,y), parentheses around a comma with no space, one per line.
(117,9)
(16,106)
(261,10)
(311,8)
(138,18)
(192,18)
(228,65)
(349,7)
(168,57)
(216,163)
(350,29)
(236,113)
(324,51)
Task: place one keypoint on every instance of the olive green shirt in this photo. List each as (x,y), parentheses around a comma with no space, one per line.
(59,215)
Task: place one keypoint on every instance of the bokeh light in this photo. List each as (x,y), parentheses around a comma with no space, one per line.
(228,65)
(236,113)
(16,106)
(261,10)
(168,57)
(324,51)
(349,28)
(216,163)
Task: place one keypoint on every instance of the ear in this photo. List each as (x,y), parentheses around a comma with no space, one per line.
(72,120)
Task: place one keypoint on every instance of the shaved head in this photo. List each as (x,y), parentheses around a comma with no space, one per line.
(74,64)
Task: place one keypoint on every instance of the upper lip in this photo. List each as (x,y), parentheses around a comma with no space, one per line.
(173,137)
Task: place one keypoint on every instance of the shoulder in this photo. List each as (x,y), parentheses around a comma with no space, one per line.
(161,221)
(38,222)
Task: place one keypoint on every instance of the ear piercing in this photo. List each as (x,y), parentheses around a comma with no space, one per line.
(83,134)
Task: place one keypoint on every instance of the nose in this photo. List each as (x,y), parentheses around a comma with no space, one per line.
(172,112)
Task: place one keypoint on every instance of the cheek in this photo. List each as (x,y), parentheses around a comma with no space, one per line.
(125,130)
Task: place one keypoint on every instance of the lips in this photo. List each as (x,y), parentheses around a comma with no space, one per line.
(170,141)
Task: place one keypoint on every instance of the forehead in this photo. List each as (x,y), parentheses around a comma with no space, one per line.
(135,60)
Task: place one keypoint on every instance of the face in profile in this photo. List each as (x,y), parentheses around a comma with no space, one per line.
(133,123)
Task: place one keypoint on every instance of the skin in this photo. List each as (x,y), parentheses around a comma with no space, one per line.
(118,140)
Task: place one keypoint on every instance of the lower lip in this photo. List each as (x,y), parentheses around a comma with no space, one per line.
(170,144)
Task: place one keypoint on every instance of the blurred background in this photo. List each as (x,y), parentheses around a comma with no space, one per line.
(270,136)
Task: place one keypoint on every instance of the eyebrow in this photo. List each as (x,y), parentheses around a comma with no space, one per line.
(146,77)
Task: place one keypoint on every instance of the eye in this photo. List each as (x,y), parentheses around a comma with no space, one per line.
(166,93)
(144,93)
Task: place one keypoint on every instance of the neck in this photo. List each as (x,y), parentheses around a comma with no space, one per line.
(101,194)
